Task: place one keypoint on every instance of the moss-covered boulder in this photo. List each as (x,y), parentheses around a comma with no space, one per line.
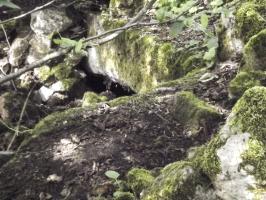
(245,80)
(91,98)
(254,52)
(250,19)
(180,181)
(193,113)
(235,159)
(139,179)
(137,59)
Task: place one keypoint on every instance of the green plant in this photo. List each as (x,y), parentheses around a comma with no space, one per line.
(190,14)
(77,45)
(9,4)
(113,175)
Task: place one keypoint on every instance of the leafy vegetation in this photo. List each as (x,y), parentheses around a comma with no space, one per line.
(196,17)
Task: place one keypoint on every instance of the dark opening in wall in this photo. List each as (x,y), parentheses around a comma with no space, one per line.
(99,83)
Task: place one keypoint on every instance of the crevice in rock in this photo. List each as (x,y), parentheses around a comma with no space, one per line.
(100,83)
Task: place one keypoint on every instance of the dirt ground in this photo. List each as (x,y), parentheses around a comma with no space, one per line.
(133,135)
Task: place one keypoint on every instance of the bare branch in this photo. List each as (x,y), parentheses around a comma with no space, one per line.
(36,64)
(28,13)
(132,21)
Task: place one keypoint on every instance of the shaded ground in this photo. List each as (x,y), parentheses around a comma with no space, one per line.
(136,134)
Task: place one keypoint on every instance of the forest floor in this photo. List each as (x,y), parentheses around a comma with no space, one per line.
(71,162)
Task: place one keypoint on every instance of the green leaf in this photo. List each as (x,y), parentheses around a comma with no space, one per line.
(189,21)
(204,20)
(216,3)
(9,4)
(79,46)
(176,28)
(65,42)
(212,43)
(210,54)
(118,193)
(112,174)
(193,9)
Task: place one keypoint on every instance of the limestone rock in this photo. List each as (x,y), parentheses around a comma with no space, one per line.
(235,159)
(47,21)
(40,45)
(16,54)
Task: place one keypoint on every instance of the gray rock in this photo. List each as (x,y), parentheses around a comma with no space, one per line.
(47,21)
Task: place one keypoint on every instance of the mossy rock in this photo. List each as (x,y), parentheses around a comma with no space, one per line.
(254,52)
(177,181)
(140,60)
(91,98)
(57,121)
(139,179)
(125,7)
(235,158)
(193,113)
(250,19)
(245,80)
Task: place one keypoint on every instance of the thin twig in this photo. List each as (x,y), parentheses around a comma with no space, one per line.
(20,118)
(4,30)
(36,64)
(29,12)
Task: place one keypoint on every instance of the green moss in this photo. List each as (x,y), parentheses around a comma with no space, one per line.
(206,158)
(123,196)
(91,98)
(69,83)
(255,156)
(57,121)
(62,71)
(243,81)
(139,179)
(193,113)
(125,7)
(177,181)
(250,19)
(44,73)
(250,112)
(187,82)
(254,52)
(191,62)
(139,60)
(119,101)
